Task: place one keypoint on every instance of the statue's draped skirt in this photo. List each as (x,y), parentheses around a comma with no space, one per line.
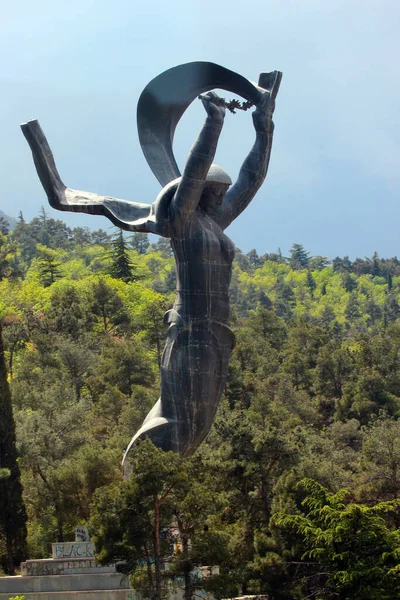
(194,369)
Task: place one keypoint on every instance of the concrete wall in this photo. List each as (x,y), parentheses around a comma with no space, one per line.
(55,566)
(15,586)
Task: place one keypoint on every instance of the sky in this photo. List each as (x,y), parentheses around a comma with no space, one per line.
(333,183)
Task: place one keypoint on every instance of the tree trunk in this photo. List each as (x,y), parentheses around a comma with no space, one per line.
(149,573)
(186,577)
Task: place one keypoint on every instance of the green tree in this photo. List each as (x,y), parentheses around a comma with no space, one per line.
(317,263)
(285,298)
(353,307)
(201,539)
(15,335)
(150,319)
(163,245)
(109,306)
(311,283)
(254,259)
(4,226)
(121,265)
(375,265)
(380,460)
(81,236)
(128,517)
(391,308)
(49,232)
(341,264)
(140,242)
(12,508)
(299,257)
(50,433)
(49,265)
(100,237)
(348,281)
(389,279)
(24,239)
(332,373)
(68,313)
(349,551)
(4,258)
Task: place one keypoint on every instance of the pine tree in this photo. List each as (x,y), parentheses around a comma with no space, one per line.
(375,266)
(348,282)
(311,283)
(317,263)
(121,265)
(299,257)
(140,242)
(22,234)
(164,246)
(128,518)
(4,226)
(44,228)
(254,259)
(392,308)
(49,266)
(100,238)
(352,548)
(341,265)
(353,307)
(12,508)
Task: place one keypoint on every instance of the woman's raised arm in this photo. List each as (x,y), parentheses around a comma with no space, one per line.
(199,161)
(255,166)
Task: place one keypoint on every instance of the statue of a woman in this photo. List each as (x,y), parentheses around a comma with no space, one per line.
(193,212)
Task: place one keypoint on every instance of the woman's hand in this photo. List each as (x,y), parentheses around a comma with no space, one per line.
(214,105)
(262,116)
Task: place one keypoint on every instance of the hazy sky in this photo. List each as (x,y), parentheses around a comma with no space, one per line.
(79,66)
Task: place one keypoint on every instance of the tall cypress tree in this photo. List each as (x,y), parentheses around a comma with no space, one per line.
(12,508)
(311,283)
(389,280)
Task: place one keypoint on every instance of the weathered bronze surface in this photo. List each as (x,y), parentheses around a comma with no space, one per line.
(192,210)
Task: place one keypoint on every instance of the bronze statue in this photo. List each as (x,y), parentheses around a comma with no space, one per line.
(192,210)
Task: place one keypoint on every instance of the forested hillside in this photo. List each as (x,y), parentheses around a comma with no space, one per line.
(313,396)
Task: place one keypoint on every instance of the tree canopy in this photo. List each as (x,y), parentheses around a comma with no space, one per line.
(313,396)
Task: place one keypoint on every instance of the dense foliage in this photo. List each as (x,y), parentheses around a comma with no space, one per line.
(313,392)
(12,514)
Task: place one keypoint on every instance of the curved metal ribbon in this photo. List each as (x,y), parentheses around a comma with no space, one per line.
(165,99)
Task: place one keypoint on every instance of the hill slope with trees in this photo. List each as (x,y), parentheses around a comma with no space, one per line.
(311,408)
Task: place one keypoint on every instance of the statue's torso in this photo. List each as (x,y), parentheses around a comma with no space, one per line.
(204,256)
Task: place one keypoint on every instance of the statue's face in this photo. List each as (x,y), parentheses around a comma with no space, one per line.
(213,195)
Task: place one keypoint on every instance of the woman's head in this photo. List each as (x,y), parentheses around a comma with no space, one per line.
(217,174)
(215,187)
